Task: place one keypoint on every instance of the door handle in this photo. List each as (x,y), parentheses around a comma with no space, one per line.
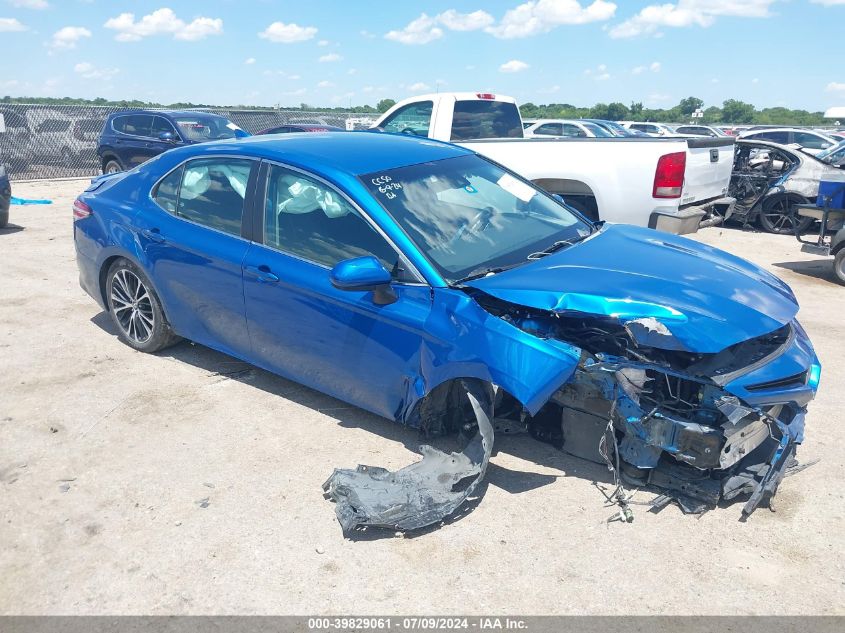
(263,273)
(154,235)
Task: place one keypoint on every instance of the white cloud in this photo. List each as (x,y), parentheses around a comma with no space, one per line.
(541,16)
(67,37)
(88,71)
(352,71)
(603,77)
(755,81)
(828,3)
(323,43)
(325,84)
(835,86)
(331,57)
(419,87)
(426,29)
(688,13)
(249,61)
(162,22)
(367,89)
(420,31)
(513,66)
(29,4)
(287,33)
(653,67)
(8,25)
(455,21)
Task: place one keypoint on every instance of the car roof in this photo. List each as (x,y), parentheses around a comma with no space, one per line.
(323,152)
(166,112)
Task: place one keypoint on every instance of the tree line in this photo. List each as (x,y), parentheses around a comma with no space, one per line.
(731,111)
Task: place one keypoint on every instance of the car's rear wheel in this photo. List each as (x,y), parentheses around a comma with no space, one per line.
(112,166)
(136,309)
(839,265)
(778,215)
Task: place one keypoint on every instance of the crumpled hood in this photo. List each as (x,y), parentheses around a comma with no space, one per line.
(706,298)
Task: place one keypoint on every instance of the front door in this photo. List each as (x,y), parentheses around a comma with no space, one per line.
(339,342)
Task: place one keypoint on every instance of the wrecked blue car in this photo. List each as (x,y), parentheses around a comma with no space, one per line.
(426,284)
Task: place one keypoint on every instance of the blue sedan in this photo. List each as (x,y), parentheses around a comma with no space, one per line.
(429,285)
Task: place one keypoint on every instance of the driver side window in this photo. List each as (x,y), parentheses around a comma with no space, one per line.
(307,218)
(413,118)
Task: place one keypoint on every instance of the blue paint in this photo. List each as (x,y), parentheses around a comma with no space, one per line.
(24,201)
(300,320)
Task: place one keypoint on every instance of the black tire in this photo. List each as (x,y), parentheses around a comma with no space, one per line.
(112,166)
(839,265)
(778,215)
(4,218)
(135,308)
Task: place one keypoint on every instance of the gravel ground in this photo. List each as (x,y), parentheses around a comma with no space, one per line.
(189,482)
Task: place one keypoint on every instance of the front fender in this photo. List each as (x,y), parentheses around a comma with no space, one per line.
(465,341)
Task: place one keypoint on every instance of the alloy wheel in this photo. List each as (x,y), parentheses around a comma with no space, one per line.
(132,306)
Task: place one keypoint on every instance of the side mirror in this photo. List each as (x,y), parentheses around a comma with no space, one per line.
(364,274)
(167,137)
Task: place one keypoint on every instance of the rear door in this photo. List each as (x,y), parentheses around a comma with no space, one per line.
(709,167)
(194,243)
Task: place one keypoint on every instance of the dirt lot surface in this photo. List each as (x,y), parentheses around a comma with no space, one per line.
(190,482)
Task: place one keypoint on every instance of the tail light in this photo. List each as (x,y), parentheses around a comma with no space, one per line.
(81,210)
(669,175)
(485,95)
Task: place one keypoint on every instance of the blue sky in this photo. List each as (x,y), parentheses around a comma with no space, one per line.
(323,53)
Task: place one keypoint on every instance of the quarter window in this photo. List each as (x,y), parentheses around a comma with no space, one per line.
(134,124)
(811,141)
(414,118)
(162,125)
(307,218)
(209,192)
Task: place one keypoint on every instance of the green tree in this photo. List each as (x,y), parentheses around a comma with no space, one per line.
(385,104)
(734,111)
(636,109)
(617,112)
(690,105)
(600,111)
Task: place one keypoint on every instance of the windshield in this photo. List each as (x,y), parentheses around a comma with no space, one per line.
(205,127)
(598,132)
(467,215)
(833,155)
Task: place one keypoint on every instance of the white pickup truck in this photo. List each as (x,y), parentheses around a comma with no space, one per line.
(672,184)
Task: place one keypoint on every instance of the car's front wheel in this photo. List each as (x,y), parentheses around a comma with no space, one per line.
(112,166)
(135,308)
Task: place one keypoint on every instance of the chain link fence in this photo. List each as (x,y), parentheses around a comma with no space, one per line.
(45,141)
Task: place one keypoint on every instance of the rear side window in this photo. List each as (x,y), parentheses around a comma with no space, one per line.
(414,118)
(573,131)
(775,137)
(485,119)
(210,192)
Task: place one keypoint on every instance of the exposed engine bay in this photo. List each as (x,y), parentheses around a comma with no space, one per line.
(657,415)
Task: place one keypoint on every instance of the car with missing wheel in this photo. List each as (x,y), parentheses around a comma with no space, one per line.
(130,137)
(427,284)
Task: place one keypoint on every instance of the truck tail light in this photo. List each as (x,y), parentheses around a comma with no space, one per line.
(81,210)
(485,95)
(669,175)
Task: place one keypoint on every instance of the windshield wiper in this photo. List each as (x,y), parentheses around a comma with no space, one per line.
(560,244)
(478,273)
